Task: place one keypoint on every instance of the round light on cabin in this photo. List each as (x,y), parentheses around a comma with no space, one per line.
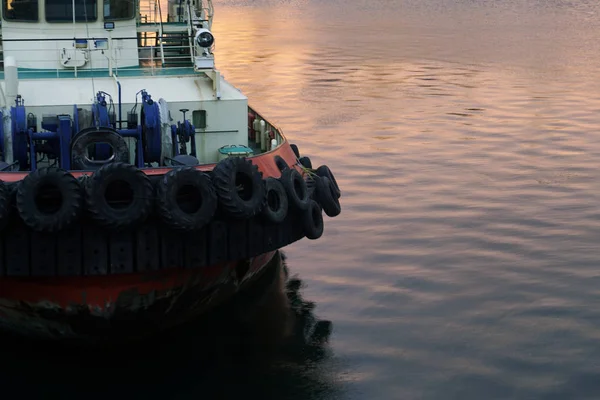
(205,39)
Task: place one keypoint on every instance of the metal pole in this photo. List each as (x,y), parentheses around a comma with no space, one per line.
(74,39)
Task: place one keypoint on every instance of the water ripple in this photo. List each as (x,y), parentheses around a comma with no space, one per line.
(464,137)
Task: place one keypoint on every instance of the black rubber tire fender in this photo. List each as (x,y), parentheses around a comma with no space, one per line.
(5,202)
(305,161)
(295,150)
(296,188)
(49,199)
(282,165)
(93,135)
(311,184)
(312,221)
(12,192)
(239,187)
(186,199)
(326,197)
(276,208)
(324,171)
(118,195)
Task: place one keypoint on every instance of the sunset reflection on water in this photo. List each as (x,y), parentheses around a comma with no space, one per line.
(464,136)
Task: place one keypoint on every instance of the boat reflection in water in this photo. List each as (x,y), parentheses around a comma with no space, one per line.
(267,340)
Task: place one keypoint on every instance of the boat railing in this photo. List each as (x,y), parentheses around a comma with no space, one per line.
(268,126)
(103,56)
(176,23)
(149,12)
(190,31)
(160,34)
(202,11)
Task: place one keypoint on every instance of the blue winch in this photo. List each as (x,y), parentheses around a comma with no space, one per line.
(183,133)
(86,140)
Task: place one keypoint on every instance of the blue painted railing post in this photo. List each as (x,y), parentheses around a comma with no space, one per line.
(64,134)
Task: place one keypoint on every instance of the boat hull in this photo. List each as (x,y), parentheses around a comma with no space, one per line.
(88,284)
(120,308)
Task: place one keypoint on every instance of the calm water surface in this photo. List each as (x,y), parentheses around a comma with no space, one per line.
(465,137)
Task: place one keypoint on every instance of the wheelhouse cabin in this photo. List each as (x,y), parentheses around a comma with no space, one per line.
(61,54)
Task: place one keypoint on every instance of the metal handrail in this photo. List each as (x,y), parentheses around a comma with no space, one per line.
(161,33)
(144,58)
(190,30)
(115,57)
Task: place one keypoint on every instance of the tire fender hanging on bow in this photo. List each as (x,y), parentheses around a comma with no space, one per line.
(239,187)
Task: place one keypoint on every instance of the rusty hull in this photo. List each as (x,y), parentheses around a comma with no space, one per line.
(120,308)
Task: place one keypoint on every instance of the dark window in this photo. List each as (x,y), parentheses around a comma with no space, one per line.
(62,10)
(199,119)
(20,10)
(119,9)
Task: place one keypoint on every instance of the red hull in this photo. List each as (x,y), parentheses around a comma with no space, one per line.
(126,305)
(120,306)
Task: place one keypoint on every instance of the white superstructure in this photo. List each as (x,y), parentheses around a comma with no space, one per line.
(67,51)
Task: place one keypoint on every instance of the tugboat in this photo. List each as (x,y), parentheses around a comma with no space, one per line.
(138,188)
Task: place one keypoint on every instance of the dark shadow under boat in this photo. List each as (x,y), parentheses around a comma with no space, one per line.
(264,341)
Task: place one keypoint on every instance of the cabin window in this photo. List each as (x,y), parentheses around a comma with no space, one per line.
(119,9)
(20,10)
(199,119)
(62,10)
